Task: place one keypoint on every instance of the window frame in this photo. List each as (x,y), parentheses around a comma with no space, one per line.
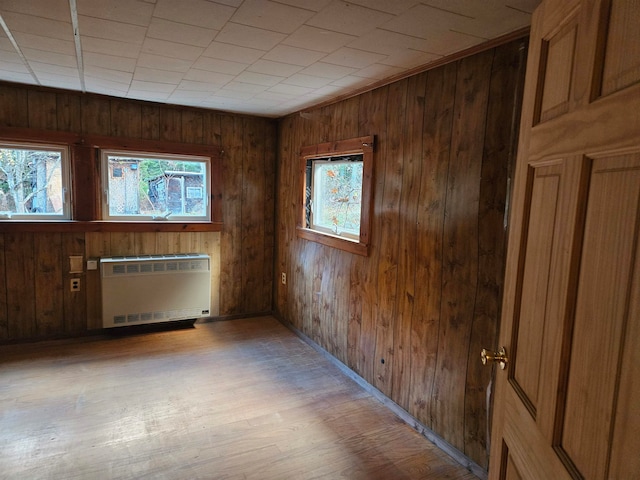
(85,176)
(106,188)
(359,145)
(65,177)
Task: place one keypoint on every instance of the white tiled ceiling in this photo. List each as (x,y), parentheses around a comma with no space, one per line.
(261,57)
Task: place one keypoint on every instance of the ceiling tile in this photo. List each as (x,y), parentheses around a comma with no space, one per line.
(293,55)
(291,89)
(110,62)
(180,33)
(200,13)
(41,42)
(318,39)
(220,66)
(301,51)
(274,68)
(50,58)
(151,75)
(395,7)
(408,59)
(41,68)
(235,53)
(223,93)
(245,36)
(156,87)
(527,6)
(271,16)
(185,97)
(194,86)
(327,70)
(423,21)
(12,61)
(60,81)
(348,18)
(230,3)
(214,78)
(125,11)
(108,74)
(110,47)
(389,43)
(259,78)
(351,81)
(164,63)
(349,57)
(171,49)
(449,42)
(110,30)
(9,75)
(53,9)
(301,80)
(314,5)
(106,87)
(378,71)
(149,96)
(239,86)
(493,23)
(18,22)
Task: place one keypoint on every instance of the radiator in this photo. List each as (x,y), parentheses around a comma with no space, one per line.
(145,289)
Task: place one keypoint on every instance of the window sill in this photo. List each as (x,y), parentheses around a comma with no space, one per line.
(334,241)
(10,226)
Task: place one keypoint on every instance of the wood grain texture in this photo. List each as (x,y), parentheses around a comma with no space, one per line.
(235,399)
(246,209)
(425,324)
(428,293)
(407,240)
(21,304)
(231,247)
(49,284)
(497,156)
(460,247)
(4,319)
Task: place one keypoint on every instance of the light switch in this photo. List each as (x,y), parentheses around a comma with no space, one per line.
(75,264)
(92,264)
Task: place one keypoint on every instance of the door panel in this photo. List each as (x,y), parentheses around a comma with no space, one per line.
(622,57)
(567,406)
(601,314)
(558,61)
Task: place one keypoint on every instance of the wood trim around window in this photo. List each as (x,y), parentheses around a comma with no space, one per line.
(363,145)
(86,184)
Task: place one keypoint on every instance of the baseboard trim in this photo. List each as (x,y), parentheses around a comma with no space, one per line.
(405,416)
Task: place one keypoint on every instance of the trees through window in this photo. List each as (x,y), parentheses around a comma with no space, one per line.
(34,181)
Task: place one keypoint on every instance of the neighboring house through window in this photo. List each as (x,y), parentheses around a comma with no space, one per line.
(154,186)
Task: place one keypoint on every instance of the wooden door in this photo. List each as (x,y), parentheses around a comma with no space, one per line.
(568,404)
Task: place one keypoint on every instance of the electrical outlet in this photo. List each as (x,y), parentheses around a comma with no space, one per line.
(283,278)
(75,285)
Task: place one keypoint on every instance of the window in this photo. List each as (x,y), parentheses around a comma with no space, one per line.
(34,181)
(151,186)
(337,193)
(334,195)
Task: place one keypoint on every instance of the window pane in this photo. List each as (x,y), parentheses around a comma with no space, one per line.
(337,195)
(156,187)
(31,182)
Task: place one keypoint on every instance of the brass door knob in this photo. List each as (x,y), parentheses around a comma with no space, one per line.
(499,357)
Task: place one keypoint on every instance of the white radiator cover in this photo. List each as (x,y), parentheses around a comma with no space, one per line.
(145,289)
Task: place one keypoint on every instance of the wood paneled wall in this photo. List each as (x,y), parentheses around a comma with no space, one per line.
(412,317)
(34,281)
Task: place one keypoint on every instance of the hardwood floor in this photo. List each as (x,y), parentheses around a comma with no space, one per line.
(241,399)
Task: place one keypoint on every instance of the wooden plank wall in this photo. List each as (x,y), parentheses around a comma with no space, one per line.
(35,301)
(412,317)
